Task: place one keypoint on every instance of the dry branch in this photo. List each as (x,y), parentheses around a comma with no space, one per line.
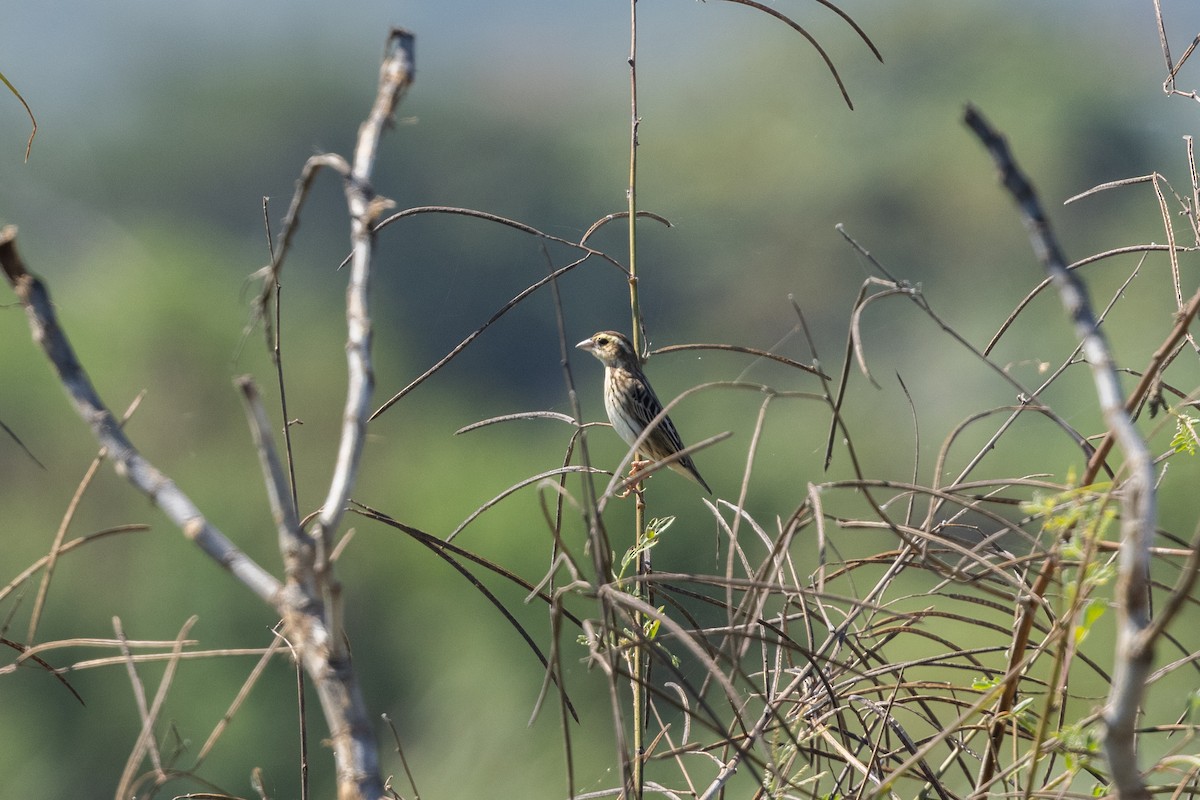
(309,601)
(128,462)
(1133,662)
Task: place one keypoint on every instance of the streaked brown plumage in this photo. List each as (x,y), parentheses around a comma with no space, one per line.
(632,404)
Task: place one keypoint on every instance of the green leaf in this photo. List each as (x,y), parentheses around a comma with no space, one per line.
(1184,440)
(985,684)
(1091,612)
(658,526)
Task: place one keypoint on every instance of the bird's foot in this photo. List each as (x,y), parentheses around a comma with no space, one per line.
(636,466)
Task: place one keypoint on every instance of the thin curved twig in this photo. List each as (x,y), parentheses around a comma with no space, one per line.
(483,423)
(750,351)
(511,223)
(475,334)
(812,40)
(521,484)
(616,215)
(1045,282)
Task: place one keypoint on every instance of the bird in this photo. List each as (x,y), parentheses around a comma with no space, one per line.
(632,404)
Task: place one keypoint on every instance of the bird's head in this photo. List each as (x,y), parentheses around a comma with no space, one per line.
(612,348)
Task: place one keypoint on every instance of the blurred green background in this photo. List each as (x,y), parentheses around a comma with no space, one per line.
(163,126)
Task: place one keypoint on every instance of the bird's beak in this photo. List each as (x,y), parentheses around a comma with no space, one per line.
(586,344)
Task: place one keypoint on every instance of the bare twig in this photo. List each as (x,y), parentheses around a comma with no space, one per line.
(145,741)
(532,479)
(403,761)
(791,23)
(63,549)
(1037,290)
(395,76)
(296,547)
(52,556)
(267,654)
(291,222)
(461,346)
(1173,66)
(733,348)
(28,111)
(277,358)
(13,435)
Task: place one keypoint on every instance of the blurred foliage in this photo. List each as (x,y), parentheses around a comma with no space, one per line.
(146,230)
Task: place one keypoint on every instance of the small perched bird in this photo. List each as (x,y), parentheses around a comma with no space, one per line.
(631,403)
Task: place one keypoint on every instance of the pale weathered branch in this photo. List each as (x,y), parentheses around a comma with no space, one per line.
(1138,512)
(309,602)
(161,490)
(315,629)
(395,76)
(295,546)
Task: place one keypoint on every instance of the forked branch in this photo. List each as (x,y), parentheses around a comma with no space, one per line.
(309,599)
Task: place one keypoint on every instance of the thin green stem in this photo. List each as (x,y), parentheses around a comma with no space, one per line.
(638,653)
(631,194)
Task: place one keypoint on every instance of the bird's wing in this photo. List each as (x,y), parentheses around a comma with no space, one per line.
(647,406)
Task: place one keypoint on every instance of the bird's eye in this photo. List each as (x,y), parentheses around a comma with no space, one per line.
(602,340)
